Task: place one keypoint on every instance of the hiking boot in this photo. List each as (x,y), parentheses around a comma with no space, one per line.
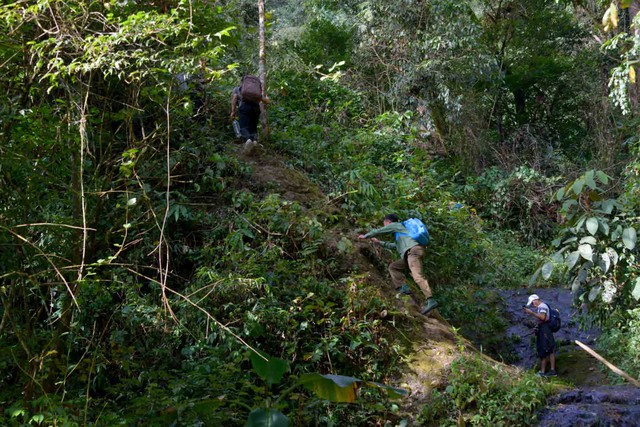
(551,373)
(248,146)
(429,305)
(404,289)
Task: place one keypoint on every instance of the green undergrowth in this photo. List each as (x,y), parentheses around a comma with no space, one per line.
(474,312)
(480,392)
(620,343)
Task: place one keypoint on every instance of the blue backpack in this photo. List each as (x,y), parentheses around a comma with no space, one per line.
(416,230)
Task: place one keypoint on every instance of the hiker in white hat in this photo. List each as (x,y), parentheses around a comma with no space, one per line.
(545,343)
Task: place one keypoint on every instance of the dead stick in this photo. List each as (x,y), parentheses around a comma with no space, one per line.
(609,365)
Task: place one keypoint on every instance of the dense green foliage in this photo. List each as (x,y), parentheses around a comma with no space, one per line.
(479,394)
(145,263)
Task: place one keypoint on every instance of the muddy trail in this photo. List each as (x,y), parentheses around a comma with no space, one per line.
(592,401)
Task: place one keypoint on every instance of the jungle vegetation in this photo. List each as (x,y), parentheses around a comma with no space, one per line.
(151,274)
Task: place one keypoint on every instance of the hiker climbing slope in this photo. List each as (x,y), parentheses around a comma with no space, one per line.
(411,256)
(246,99)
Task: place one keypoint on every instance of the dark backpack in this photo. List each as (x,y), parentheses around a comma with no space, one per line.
(416,230)
(554,319)
(251,89)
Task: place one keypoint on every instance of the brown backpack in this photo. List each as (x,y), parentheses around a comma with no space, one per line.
(251,89)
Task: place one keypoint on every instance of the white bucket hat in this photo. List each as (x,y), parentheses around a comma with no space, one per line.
(532,298)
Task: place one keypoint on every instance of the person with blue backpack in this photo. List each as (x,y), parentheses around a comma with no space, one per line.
(548,323)
(411,237)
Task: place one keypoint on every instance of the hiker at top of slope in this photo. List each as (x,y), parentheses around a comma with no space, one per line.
(411,256)
(246,99)
(545,342)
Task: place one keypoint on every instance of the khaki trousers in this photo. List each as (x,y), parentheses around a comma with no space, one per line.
(414,263)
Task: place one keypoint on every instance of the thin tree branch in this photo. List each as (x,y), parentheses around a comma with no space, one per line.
(48,260)
(209,316)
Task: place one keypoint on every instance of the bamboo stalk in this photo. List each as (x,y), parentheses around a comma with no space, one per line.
(609,365)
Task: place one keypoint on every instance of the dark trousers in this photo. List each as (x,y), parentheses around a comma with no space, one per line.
(545,343)
(249,114)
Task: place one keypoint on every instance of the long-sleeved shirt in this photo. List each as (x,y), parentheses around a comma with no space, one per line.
(402,244)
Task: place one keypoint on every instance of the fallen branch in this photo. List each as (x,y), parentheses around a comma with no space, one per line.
(609,365)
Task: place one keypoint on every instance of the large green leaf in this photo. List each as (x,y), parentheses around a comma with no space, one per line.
(629,238)
(586,251)
(589,240)
(575,285)
(584,272)
(339,388)
(592,226)
(607,206)
(335,388)
(264,417)
(547,269)
(578,185)
(613,255)
(603,177)
(593,293)
(393,392)
(558,257)
(636,290)
(604,262)
(603,227)
(588,178)
(616,233)
(571,259)
(270,369)
(533,279)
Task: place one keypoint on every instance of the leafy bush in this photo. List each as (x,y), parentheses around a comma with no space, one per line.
(507,263)
(325,42)
(516,200)
(482,393)
(620,341)
(597,246)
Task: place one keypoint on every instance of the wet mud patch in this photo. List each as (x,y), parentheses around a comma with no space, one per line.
(577,367)
(590,407)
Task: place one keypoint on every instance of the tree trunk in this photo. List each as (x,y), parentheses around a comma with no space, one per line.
(633,87)
(264,111)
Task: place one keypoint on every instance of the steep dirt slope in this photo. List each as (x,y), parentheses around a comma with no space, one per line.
(431,341)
